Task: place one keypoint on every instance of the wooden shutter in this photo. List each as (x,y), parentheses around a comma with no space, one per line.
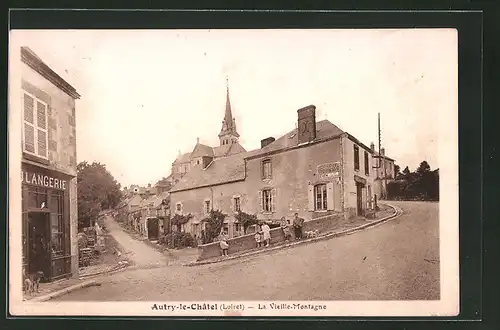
(274,197)
(41,123)
(29,123)
(261,206)
(363,198)
(310,194)
(336,197)
(330,193)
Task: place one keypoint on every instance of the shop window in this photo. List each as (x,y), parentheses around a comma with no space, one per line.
(59,229)
(35,135)
(320,195)
(37,197)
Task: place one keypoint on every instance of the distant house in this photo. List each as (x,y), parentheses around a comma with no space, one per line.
(314,170)
(384,172)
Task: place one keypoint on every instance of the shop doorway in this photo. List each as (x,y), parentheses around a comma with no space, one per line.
(39,244)
(359,198)
(153,229)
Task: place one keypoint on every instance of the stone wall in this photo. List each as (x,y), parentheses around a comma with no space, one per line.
(247,242)
(61,131)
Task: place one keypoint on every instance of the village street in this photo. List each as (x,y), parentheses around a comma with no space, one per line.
(395,260)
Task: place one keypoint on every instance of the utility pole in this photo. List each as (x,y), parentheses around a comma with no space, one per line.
(382,156)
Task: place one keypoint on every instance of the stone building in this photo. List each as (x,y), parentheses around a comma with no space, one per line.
(203,154)
(314,170)
(384,172)
(49,187)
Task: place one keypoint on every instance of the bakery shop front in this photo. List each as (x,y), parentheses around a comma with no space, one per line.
(46,222)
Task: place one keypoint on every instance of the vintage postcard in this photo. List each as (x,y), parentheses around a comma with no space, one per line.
(233,172)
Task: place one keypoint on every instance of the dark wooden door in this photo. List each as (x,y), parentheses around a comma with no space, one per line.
(153,229)
(359,198)
(39,244)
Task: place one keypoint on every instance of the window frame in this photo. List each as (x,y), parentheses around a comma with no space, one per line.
(356,157)
(35,126)
(207,206)
(268,199)
(236,204)
(265,175)
(324,198)
(367,164)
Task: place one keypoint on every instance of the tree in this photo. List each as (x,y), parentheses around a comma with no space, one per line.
(423,184)
(97,190)
(406,171)
(246,220)
(397,172)
(214,221)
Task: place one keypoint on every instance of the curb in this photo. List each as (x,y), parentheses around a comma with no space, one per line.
(397,213)
(65,291)
(111,271)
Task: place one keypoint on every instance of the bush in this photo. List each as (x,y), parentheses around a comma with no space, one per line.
(178,240)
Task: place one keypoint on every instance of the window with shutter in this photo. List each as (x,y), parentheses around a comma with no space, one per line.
(310,194)
(273,200)
(35,134)
(330,196)
(320,195)
(267,200)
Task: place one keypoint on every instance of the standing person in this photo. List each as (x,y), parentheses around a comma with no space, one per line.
(267,233)
(298,223)
(257,239)
(223,243)
(285,226)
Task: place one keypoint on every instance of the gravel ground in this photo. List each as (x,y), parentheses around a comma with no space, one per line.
(398,260)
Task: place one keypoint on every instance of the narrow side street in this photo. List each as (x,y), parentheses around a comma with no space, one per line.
(398,260)
(141,254)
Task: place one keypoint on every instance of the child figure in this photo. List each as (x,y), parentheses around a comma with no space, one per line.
(258,239)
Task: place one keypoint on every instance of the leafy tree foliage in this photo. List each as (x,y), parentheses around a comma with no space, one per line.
(423,184)
(246,220)
(97,190)
(214,221)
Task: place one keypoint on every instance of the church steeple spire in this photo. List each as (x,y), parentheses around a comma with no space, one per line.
(228,116)
(228,133)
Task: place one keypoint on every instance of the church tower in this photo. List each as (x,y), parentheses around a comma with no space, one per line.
(228,133)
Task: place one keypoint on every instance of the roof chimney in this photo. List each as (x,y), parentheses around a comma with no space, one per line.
(267,141)
(149,185)
(306,124)
(372,146)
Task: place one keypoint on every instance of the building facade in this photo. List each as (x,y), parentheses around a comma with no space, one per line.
(314,170)
(49,194)
(384,172)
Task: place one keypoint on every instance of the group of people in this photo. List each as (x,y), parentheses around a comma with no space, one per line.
(263,235)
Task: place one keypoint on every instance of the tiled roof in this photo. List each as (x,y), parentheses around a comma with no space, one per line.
(376,155)
(184,158)
(324,129)
(228,150)
(221,170)
(232,167)
(201,150)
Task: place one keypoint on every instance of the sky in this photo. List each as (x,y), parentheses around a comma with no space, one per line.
(148,95)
